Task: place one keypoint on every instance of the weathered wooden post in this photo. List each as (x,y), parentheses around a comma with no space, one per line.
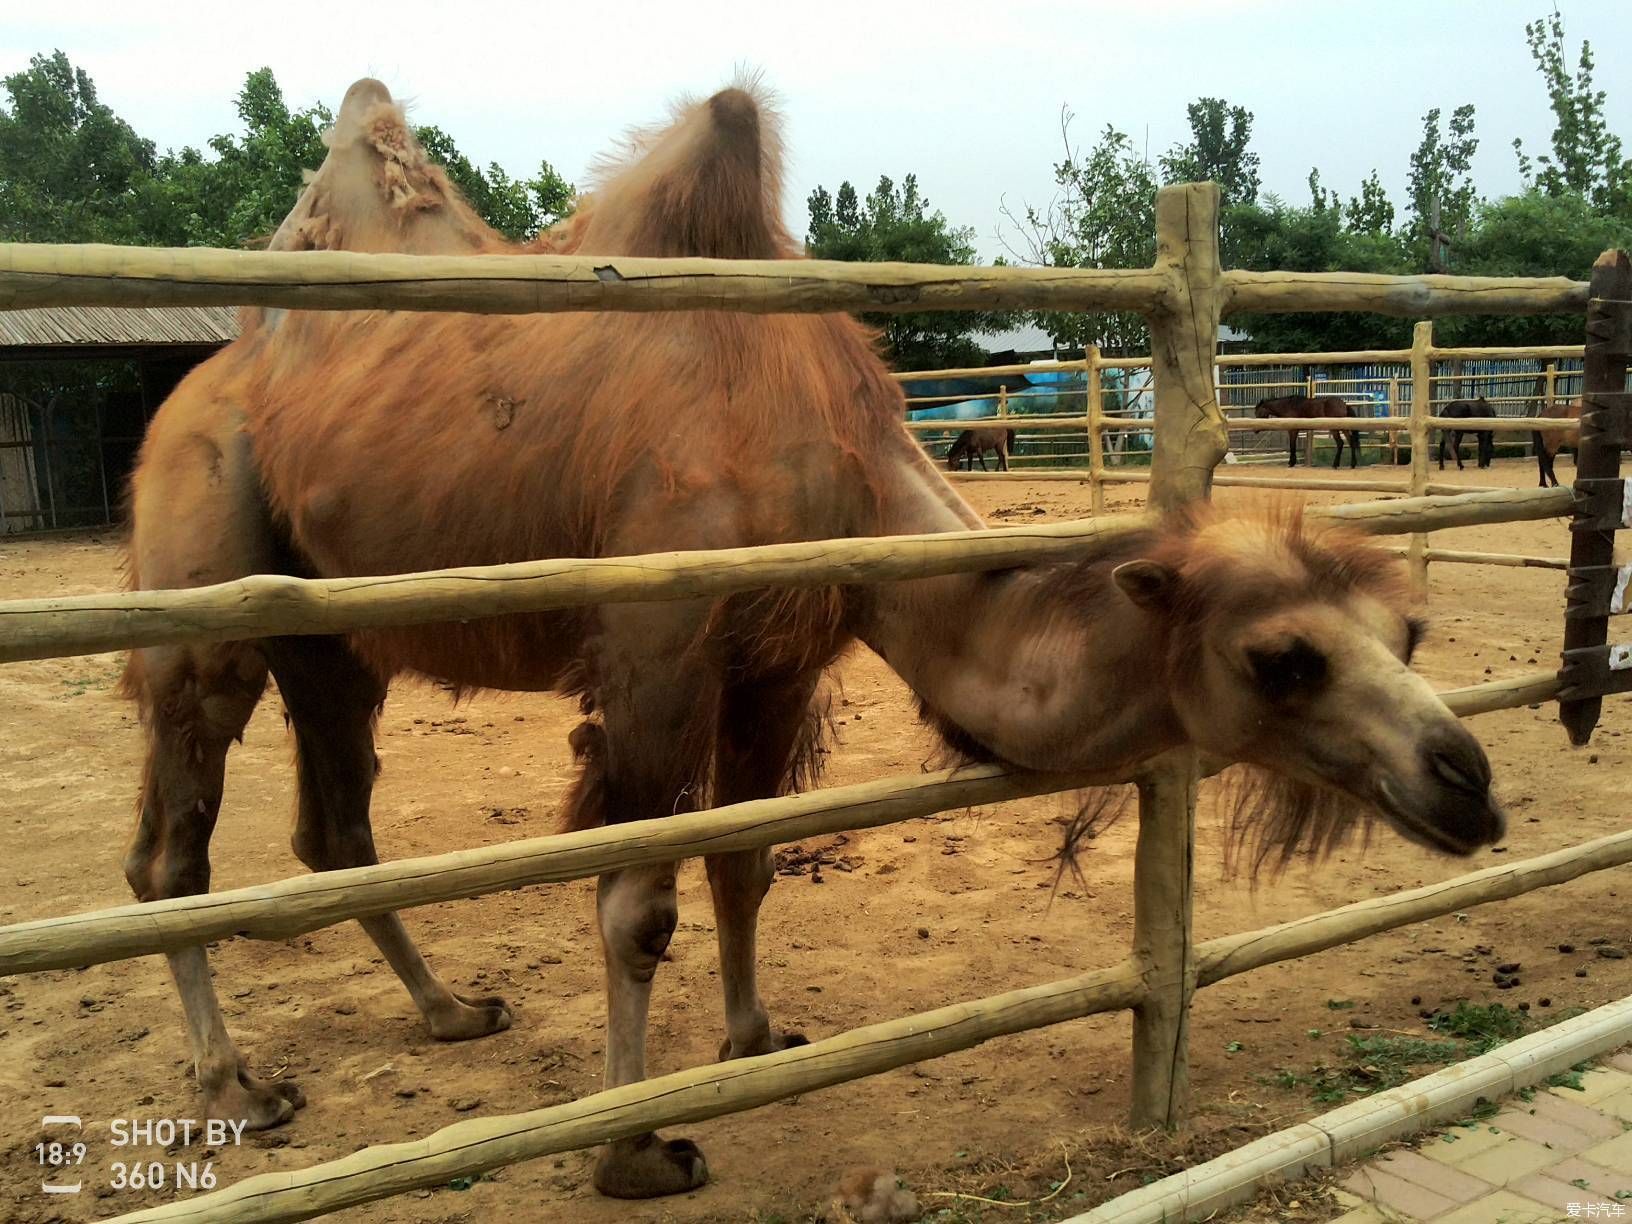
(1552,384)
(1422,407)
(1096,420)
(1394,411)
(1309,434)
(1597,586)
(1189,440)
(1003,400)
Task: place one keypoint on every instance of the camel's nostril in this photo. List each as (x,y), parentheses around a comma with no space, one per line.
(1457,761)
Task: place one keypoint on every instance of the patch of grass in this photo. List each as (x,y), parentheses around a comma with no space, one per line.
(1481,1027)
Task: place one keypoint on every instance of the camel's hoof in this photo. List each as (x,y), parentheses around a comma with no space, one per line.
(649,1167)
(768,1044)
(464,1019)
(259,1104)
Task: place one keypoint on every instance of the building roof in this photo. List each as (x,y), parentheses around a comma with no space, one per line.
(67,330)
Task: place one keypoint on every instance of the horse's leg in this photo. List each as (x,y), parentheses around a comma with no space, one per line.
(1487,448)
(1337,437)
(760,731)
(1292,449)
(1003,457)
(1354,448)
(332,700)
(658,698)
(196,701)
(981,453)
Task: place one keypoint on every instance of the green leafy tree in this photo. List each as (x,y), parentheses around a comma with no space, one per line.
(1534,234)
(1587,157)
(1217,151)
(1441,183)
(240,195)
(1104,216)
(1276,236)
(69,166)
(517,208)
(896,223)
(1371,212)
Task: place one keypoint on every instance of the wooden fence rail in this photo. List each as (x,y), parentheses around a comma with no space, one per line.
(294,906)
(267,605)
(475,1146)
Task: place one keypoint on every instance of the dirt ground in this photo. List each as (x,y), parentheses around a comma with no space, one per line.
(903,919)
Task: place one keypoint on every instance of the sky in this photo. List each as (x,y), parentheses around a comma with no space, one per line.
(965,95)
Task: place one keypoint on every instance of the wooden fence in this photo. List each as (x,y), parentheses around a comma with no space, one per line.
(1184,295)
(1417,393)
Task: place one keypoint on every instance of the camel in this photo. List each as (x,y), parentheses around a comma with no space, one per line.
(327,444)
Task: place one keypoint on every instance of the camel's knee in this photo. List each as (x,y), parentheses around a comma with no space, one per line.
(325,845)
(739,878)
(170,856)
(637,924)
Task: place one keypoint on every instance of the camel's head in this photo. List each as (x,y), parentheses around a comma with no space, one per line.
(1289,650)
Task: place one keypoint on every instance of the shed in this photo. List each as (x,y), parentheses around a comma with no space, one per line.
(78,385)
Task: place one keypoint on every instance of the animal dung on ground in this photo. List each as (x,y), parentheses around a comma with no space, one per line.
(870,1195)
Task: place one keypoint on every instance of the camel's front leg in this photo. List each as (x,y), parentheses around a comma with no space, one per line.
(657,692)
(739,883)
(761,729)
(637,911)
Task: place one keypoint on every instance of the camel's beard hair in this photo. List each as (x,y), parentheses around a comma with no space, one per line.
(1272,819)
(1269,820)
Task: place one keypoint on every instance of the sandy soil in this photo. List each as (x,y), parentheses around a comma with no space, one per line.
(108,1042)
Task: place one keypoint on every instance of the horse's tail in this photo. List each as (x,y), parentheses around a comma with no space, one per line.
(1011,436)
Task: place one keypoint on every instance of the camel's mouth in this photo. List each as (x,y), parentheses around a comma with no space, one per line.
(1456,820)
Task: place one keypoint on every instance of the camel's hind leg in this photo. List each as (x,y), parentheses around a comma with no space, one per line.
(196,701)
(332,699)
(760,730)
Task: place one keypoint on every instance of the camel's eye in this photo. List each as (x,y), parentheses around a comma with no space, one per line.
(1415,631)
(1297,670)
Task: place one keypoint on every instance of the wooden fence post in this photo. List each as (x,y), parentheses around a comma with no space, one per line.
(1422,396)
(1189,439)
(1189,434)
(1309,434)
(1096,419)
(1597,587)
(1394,411)
(1552,384)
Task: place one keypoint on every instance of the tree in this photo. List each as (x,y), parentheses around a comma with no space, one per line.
(1103,217)
(1442,192)
(1586,156)
(895,223)
(1371,212)
(1217,151)
(1277,236)
(68,165)
(1533,234)
(517,208)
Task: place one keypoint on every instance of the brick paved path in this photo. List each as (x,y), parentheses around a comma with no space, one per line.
(1562,1155)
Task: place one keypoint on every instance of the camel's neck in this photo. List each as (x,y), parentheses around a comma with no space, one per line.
(1032,681)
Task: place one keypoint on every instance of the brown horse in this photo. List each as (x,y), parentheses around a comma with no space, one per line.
(1549,442)
(1286,407)
(366,443)
(972,444)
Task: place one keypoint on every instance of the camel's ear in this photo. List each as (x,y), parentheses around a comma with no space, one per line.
(1149,584)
